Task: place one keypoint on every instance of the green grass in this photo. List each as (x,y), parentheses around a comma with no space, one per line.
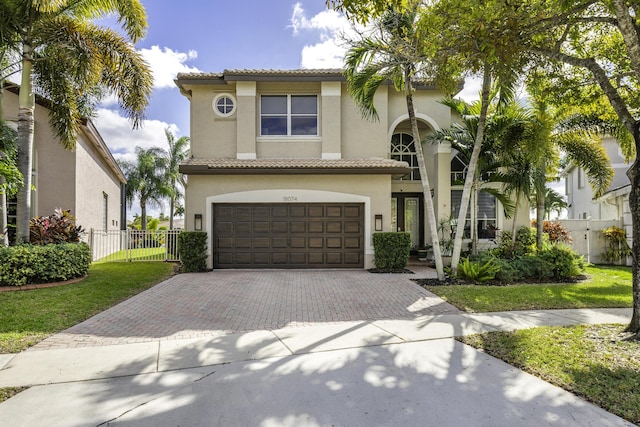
(27,317)
(155,254)
(591,361)
(607,287)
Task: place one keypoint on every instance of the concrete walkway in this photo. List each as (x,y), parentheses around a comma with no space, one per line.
(405,370)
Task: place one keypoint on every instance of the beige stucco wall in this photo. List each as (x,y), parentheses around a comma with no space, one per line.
(372,190)
(68,179)
(93,179)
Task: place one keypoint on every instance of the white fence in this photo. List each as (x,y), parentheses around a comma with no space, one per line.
(588,239)
(133,245)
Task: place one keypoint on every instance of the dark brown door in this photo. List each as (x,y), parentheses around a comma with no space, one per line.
(288,235)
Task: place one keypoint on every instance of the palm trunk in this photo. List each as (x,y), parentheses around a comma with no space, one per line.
(25,145)
(4,235)
(473,162)
(171,207)
(143,216)
(513,224)
(474,219)
(426,188)
(539,219)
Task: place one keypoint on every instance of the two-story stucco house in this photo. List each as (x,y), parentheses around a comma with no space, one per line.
(86,180)
(285,172)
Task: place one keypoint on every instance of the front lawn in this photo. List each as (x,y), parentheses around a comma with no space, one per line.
(607,287)
(28,317)
(592,361)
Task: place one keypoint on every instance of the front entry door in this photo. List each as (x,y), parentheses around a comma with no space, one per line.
(407,214)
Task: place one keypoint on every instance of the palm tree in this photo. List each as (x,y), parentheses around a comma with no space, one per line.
(10,176)
(146,180)
(71,61)
(178,152)
(553,202)
(499,130)
(394,53)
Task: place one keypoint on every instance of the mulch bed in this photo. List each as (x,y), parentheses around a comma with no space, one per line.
(40,285)
(449,281)
(390,271)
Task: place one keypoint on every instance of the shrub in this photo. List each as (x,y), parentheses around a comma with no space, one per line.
(524,244)
(57,228)
(391,250)
(617,246)
(478,271)
(192,247)
(26,264)
(563,262)
(556,232)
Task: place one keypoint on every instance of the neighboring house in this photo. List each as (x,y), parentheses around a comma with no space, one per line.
(285,172)
(612,208)
(86,180)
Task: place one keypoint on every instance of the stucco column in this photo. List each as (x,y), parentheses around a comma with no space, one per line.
(246,120)
(442,198)
(330,120)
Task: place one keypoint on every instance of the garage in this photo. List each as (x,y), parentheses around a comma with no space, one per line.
(288,235)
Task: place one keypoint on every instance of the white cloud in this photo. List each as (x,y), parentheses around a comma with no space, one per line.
(329,28)
(122,140)
(167,63)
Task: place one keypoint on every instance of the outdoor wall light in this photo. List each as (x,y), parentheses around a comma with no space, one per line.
(197,222)
(378,225)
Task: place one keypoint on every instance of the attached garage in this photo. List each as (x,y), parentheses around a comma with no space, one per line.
(288,235)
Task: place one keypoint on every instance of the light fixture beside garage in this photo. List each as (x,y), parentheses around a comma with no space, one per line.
(197,222)
(378,225)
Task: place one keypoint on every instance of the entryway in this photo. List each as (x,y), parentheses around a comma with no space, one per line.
(407,214)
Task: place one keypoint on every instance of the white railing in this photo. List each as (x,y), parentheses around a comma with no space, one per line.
(133,245)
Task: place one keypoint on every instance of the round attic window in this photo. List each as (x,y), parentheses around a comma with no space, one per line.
(224,104)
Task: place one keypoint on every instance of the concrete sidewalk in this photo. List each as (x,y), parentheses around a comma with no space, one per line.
(378,372)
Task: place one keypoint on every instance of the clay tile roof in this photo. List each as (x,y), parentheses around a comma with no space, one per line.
(228,166)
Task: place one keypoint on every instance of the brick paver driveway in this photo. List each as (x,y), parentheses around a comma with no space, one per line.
(227,301)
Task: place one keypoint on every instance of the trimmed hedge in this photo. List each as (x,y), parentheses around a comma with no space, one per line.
(27,264)
(391,250)
(192,247)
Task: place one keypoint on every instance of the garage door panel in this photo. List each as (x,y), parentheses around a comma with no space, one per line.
(280,227)
(288,235)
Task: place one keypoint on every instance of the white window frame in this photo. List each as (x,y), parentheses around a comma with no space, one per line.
(214,104)
(290,115)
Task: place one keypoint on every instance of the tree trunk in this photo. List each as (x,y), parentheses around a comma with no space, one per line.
(25,145)
(539,219)
(426,188)
(634,205)
(474,219)
(471,170)
(171,207)
(513,224)
(143,216)
(4,235)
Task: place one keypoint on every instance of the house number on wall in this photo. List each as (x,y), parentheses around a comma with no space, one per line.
(290,198)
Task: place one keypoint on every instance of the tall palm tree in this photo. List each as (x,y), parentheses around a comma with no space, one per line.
(394,53)
(146,180)
(71,61)
(177,153)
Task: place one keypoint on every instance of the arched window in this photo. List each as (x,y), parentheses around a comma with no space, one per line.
(403,149)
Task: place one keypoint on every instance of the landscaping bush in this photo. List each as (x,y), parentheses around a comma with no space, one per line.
(26,264)
(477,271)
(391,250)
(563,262)
(57,228)
(524,245)
(192,247)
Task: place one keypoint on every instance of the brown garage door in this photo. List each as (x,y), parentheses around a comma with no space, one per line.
(288,235)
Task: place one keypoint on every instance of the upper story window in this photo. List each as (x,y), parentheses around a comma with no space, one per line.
(289,115)
(224,105)
(403,149)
